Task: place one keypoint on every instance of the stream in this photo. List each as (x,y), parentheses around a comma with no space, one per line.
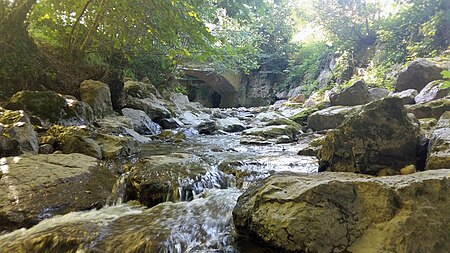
(203,224)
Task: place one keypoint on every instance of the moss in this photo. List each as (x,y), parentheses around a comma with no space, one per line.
(302,116)
(44,104)
(285,121)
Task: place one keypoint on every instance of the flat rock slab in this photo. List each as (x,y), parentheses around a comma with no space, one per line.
(35,187)
(345,212)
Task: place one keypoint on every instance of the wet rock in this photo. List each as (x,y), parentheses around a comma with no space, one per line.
(114,147)
(171,123)
(407,96)
(230,124)
(380,135)
(35,187)
(417,74)
(171,136)
(439,147)
(330,117)
(51,108)
(168,227)
(208,127)
(378,93)
(98,96)
(141,122)
(114,124)
(269,135)
(140,89)
(17,135)
(284,121)
(432,109)
(46,149)
(73,140)
(434,90)
(356,94)
(175,177)
(342,212)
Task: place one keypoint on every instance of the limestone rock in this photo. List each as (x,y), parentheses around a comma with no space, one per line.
(51,108)
(269,135)
(171,136)
(141,122)
(302,116)
(140,89)
(284,121)
(317,98)
(434,90)
(35,187)
(170,123)
(427,126)
(432,109)
(418,74)
(330,117)
(380,135)
(378,93)
(407,96)
(98,96)
(439,147)
(357,94)
(342,212)
(17,134)
(230,124)
(156,109)
(313,147)
(208,127)
(175,177)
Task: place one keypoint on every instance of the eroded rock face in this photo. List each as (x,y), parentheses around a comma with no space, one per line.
(98,96)
(175,177)
(434,90)
(35,187)
(419,73)
(357,94)
(432,109)
(439,147)
(342,212)
(153,107)
(380,135)
(330,117)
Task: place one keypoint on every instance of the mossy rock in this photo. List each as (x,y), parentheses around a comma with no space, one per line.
(44,104)
(432,109)
(302,117)
(284,121)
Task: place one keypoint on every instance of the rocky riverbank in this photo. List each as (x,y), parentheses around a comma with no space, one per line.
(385,158)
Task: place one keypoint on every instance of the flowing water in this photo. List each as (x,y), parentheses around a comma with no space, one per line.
(203,224)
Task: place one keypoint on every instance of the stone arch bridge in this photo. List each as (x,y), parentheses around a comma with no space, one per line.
(225,86)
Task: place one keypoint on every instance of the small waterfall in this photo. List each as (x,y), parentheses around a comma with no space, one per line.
(119,191)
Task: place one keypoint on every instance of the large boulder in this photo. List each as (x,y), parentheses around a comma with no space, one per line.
(98,96)
(380,136)
(439,147)
(417,74)
(114,147)
(378,93)
(142,123)
(356,94)
(35,187)
(51,108)
(156,109)
(407,96)
(175,177)
(17,135)
(342,212)
(141,90)
(330,117)
(269,135)
(432,109)
(434,90)
(230,124)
